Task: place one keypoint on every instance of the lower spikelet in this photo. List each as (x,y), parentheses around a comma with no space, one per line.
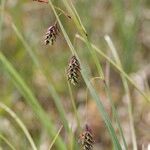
(73,71)
(51,34)
(86,139)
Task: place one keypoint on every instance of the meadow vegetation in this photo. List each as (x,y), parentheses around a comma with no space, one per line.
(74,74)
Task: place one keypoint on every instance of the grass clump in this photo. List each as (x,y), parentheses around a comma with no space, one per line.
(61,108)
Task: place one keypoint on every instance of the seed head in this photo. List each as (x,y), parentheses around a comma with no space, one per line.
(51,34)
(73,71)
(86,139)
(43,1)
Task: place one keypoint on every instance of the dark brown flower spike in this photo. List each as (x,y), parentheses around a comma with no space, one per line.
(51,34)
(86,139)
(73,71)
(43,1)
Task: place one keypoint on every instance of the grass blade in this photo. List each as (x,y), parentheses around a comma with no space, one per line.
(56,136)
(51,88)
(117,67)
(73,105)
(102,112)
(31,100)
(20,123)
(125,84)
(7,142)
(107,89)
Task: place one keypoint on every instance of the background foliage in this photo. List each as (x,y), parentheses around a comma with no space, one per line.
(42,69)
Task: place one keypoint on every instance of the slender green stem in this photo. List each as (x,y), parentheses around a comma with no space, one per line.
(78,20)
(95,59)
(72,142)
(72,11)
(27,47)
(55,138)
(63,12)
(125,84)
(31,99)
(74,105)
(7,142)
(20,123)
(117,67)
(107,90)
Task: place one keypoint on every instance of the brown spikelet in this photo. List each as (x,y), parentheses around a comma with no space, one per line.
(73,71)
(86,139)
(43,1)
(51,34)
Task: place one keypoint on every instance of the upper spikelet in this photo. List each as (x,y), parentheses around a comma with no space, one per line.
(86,139)
(51,34)
(73,71)
(43,1)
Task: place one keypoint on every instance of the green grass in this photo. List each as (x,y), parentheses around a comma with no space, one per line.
(96,57)
(20,123)
(51,88)
(126,88)
(31,99)
(89,86)
(7,142)
(127,32)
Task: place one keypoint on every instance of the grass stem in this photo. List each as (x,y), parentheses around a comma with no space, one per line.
(7,142)
(20,123)
(125,84)
(117,67)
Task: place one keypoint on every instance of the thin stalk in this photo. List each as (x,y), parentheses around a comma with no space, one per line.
(7,142)
(95,59)
(79,22)
(115,114)
(86,98)
(107,89)
(125,84)
(71,140)
(74,105)
(63,12)
(104,114)
(117,67)
(73,13)
(55,138)
(107,71)
(27,47)
(20,123)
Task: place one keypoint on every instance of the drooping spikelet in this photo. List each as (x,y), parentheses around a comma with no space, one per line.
(86,139)
(73,71)
(43,1)
(51,34)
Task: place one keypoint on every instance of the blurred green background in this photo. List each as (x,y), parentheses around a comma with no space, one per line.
(128,24)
